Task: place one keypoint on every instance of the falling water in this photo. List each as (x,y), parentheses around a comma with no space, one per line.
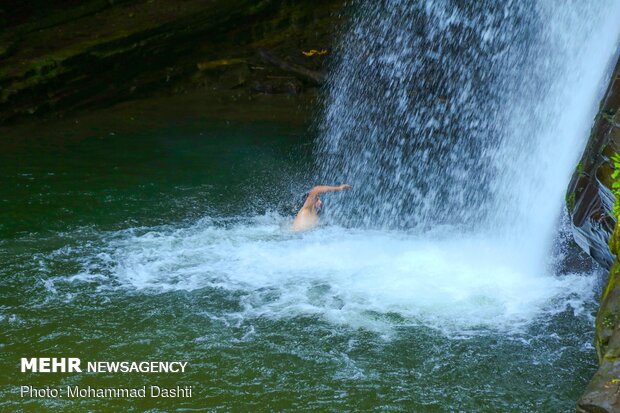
(466,116)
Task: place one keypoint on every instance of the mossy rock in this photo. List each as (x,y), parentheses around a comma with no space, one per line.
(101,53)
(570,201)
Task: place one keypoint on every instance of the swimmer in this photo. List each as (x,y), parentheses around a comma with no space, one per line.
(308,216)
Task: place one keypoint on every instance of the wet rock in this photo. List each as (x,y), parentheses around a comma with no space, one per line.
(603,392)
(589,198)
(590,202)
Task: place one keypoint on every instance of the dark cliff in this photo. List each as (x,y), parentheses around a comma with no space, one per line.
(64,56)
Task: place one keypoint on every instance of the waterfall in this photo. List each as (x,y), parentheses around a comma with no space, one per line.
(465,116)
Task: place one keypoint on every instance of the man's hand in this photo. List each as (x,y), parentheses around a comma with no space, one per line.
(345,186)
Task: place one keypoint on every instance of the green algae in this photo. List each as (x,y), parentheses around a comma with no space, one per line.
(615,183)
(570,201)
(580,169)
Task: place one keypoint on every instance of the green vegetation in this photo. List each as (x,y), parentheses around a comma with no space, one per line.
(609,116)
(609,321)
(615,186)
(580,169)
(570,201)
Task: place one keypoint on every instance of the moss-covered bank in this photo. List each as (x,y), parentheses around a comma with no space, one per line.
(590,200)
(92,54)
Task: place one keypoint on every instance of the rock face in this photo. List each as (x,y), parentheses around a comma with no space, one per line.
(91,54)
(589,198)
(590,202)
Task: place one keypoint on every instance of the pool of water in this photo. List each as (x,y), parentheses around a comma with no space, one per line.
(174,244)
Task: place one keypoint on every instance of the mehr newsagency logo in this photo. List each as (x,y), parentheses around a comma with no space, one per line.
(75,365)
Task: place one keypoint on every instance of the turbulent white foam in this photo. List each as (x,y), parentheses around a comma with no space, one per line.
(356,277)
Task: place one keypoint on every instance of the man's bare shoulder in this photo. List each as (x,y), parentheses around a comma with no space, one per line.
(306,219)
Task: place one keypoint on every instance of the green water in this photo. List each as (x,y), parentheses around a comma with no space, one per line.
(117,247)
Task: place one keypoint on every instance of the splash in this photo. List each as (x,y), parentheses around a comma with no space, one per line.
(463,285)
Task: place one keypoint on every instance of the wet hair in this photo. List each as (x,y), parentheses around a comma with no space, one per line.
(320,209)
(302,200)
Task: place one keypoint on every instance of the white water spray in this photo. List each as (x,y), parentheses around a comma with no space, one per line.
(468,115)
(357,277)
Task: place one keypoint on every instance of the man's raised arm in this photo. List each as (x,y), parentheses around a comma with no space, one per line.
(326,188)
(320,189)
